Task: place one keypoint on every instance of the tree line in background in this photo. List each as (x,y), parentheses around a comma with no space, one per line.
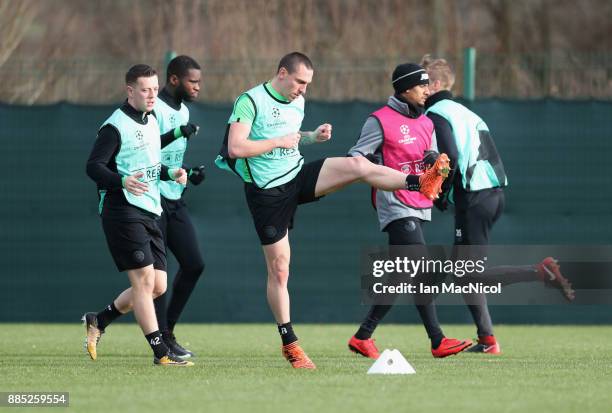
(78,51)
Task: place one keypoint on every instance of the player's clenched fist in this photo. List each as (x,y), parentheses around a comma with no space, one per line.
(178,175)
(323,132)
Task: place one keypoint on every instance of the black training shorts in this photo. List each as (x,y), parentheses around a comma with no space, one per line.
(273,209)
(135,244)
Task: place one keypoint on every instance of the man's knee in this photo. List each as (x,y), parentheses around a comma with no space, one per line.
(358,166)
(143,279)
(159,288)
(279,269)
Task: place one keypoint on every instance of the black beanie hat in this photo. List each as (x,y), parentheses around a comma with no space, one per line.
(408,75)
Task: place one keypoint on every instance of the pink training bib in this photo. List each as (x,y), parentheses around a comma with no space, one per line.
(405,141)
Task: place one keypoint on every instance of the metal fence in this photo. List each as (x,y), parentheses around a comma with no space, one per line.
(562,75)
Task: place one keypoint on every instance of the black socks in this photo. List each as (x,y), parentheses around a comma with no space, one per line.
(157,344)
(286,333)
(107,316)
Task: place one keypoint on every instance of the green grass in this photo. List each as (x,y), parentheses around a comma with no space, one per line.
(239,368)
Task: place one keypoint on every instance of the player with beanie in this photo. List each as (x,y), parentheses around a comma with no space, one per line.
(400,136)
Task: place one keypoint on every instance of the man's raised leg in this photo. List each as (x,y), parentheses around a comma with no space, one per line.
(336,173)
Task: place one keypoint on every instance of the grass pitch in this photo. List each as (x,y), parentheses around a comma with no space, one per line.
(239,368)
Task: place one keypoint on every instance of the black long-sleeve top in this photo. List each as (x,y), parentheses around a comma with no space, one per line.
(102,167)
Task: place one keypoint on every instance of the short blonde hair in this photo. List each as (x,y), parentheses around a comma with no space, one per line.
(439,69)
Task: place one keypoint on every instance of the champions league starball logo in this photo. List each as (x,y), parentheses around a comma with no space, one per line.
(139,141)
(276,121)
(139,136)
(406,138)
